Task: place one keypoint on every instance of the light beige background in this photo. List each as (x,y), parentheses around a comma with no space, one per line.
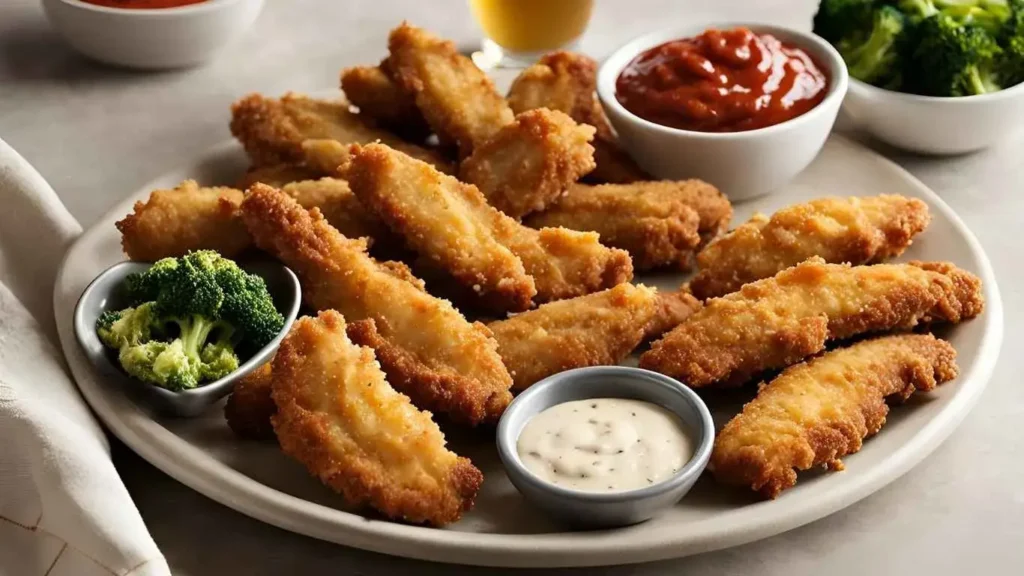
(97,134)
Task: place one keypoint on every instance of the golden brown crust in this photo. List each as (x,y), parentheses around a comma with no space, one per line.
(444,363)
(277,175)
(566,82)
(673,307)
(778,321)
(853,230)
(457,99)
(188,217)
(442,219)
(526,165)
(250,406)
(816,412)
(650,222)
(338,416)
(273,130)
(593,330)
(371,90)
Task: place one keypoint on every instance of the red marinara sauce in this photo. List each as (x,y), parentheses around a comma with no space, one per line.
(143,4)
(721,81)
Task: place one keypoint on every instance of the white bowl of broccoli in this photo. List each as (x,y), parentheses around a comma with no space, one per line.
(179,333)
(930,76)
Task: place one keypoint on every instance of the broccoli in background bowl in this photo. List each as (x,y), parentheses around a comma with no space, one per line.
(943,48)
(179,333)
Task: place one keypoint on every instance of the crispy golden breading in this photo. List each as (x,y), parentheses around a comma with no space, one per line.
(593,330)
(443,219)
(188,217)
(337,415)
(272,130)
(277,175)
(457,99)
(652,223)
(371,90)
(249,407)
(341,208)
(818,411)
(529,163)
(673,307)
(566,82)
(779,321)
(563,263)
(428,349)
(853,230)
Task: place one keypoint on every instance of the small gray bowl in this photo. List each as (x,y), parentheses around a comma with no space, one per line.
(603,510)
(106,292)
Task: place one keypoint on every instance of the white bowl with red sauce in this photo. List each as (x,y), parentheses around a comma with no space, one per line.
(151,38)
(932,124)
(730,146)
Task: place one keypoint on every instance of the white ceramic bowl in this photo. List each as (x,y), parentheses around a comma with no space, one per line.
(932,125)
(741,164)
(152,39)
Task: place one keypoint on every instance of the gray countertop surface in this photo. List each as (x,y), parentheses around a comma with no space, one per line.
(98,133)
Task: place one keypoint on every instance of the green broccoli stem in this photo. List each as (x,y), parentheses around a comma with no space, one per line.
(196,329)
(982,83)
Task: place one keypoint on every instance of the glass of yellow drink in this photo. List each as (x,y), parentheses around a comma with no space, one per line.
(517,32)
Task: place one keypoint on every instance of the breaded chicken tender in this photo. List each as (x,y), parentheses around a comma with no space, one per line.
(442,219)
(672,308)
(428,349)
(457,99)
(188,217)
(852,230)
(593,330)
(529,163)
(652,223)
(337,415)
(818,411)
(250,406)
(277,175)
(566,81)
(273,130)
(779,321)
(371,90)
(341,208)
(441,215)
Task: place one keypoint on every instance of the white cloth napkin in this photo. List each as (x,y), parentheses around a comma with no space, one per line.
(63,508)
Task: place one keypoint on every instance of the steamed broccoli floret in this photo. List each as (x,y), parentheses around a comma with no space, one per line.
(876,59)
(1011,38)
(127,327)
(849,20)
(953,60)
(987,14)
(208,305)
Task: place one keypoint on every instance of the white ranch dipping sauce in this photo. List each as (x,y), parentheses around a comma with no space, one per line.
(604,444)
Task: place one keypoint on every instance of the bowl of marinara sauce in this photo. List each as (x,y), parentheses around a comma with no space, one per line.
(745,107)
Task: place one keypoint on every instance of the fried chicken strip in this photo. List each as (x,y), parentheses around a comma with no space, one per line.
(672,308)
(273,130)
(457,99)
(250,406)
(652,223)
(443,219)
(529,163)
(854,230)
(566,81)
(377,96)
(188,217)
(779,321)
(593,330)
(428,349)
(818,411)
(337,415)
(563,263)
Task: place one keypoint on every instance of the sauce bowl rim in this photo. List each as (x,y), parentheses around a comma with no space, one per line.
(613,65)
(509,455)
(197,8)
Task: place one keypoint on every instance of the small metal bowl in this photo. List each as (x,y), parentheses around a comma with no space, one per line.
(106,292)
(603,510)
